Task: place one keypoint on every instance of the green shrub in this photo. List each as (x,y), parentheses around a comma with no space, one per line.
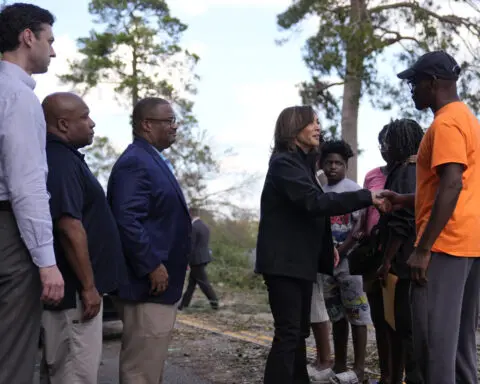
(232,267)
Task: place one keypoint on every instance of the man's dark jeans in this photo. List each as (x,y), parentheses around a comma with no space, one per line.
(198,275)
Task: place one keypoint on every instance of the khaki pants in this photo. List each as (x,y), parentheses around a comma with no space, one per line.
(147,331)
(72,349)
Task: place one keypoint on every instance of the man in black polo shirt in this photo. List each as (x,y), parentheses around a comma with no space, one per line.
(87,246)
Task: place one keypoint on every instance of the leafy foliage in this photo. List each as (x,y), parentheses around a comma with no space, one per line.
(233,242)
(416,26)
(136,51)
(354,37)
(100,157)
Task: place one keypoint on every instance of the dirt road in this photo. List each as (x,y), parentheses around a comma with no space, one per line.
(225,347)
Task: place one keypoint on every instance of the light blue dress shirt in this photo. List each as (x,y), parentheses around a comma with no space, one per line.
(169,164)
(23,170)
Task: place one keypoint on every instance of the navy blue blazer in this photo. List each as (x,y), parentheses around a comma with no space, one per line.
(153,221)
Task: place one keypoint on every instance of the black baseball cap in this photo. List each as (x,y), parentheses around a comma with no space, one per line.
(437,63)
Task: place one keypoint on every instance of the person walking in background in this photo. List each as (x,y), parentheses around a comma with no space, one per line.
(87,247)
(155,229)
(294,238)
(345,299)
(28,271)
(445,264)
(396,239)
(199,258)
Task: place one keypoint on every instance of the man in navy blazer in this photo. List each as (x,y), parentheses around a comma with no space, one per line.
(155,229)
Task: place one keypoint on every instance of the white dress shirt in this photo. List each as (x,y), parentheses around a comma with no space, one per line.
(23,170)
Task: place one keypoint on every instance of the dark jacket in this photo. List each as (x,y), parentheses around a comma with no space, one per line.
(200,240)
(153,221)
(401,223)
(294,236)
(75,192)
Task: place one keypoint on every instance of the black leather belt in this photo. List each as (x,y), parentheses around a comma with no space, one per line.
(5,205)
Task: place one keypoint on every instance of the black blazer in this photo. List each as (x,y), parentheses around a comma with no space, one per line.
(200,241)
(153,221)
(294,236)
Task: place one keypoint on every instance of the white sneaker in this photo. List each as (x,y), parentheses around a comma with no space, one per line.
(320,376)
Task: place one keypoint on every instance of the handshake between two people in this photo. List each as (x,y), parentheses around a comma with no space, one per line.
(387,201)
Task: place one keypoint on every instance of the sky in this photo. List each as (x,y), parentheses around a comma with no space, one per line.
(246,80)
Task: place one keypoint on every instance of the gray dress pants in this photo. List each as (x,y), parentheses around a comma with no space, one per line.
(20,306)
(444,320)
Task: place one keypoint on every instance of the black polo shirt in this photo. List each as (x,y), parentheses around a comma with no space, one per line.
(76,192)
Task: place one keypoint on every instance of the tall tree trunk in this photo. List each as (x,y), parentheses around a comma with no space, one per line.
(350,106)
(135,92)
(353,83)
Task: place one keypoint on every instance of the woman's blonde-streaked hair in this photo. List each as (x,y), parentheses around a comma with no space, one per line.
(290,123)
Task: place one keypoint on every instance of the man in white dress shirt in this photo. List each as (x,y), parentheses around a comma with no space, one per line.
(28,271)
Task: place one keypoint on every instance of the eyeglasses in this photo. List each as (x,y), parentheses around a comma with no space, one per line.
(412,83)
(172,121)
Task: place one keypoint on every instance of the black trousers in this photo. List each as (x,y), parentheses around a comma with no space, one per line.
(403,325)
(198,275)
(290,301)
(382,329)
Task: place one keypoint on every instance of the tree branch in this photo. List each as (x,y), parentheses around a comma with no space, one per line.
(240,187)
(398,36)
(469,46)
(472,4)
(322,86)
(451,19)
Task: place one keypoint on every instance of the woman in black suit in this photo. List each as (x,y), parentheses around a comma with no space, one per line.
(294,238)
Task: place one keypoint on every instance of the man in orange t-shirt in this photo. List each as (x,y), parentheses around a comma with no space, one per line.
(446,262)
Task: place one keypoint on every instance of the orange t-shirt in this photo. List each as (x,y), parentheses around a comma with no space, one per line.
(453,137)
